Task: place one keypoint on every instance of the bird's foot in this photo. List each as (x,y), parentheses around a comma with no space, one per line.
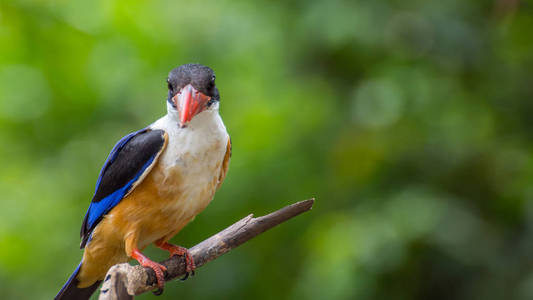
(181,251)
(159,269)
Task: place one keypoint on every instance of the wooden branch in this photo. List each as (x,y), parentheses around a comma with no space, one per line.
(123,281)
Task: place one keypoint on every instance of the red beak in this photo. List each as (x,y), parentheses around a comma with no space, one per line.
(189,103)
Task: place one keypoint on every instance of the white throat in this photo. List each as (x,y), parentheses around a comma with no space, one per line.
(198,148)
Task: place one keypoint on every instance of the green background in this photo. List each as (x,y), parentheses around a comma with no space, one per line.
(410,121)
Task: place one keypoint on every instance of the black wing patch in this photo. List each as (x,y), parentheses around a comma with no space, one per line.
(127,162)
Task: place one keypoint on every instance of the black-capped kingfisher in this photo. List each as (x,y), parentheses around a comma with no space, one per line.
(154,182)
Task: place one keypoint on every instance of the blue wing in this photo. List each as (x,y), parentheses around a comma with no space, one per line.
(131,157)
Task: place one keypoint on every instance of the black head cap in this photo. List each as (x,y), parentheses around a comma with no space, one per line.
(201,77)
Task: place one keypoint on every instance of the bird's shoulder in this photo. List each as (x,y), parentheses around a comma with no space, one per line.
(129,162)
(127,158)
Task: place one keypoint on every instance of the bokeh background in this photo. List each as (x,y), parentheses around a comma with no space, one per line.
(410,121)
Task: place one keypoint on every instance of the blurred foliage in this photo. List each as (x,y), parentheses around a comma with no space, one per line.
(409,121)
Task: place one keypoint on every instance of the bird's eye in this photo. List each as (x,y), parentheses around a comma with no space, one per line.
(169,84)
(211,84)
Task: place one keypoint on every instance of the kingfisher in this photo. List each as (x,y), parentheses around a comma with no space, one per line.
(154,182)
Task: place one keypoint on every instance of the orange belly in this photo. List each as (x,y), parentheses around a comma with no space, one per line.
(155,210)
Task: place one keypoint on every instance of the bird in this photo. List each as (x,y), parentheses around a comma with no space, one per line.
(154,182)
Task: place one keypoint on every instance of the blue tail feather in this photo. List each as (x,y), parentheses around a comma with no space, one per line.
(70,290)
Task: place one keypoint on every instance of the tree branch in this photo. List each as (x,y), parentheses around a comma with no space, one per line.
(123,281)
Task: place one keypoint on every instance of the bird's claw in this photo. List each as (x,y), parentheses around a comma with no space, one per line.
(159,274)
(180,251)
(185,277)
(189,262)
(158,292)
(187,274)
(159,269)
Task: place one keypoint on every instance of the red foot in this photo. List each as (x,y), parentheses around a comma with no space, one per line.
(181,251)
(158,268)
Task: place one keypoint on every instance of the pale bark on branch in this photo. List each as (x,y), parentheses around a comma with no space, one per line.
(123,281)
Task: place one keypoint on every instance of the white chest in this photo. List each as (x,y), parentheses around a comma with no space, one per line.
(190,166)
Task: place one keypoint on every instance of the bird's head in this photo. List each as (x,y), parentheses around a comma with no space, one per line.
(191,90)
